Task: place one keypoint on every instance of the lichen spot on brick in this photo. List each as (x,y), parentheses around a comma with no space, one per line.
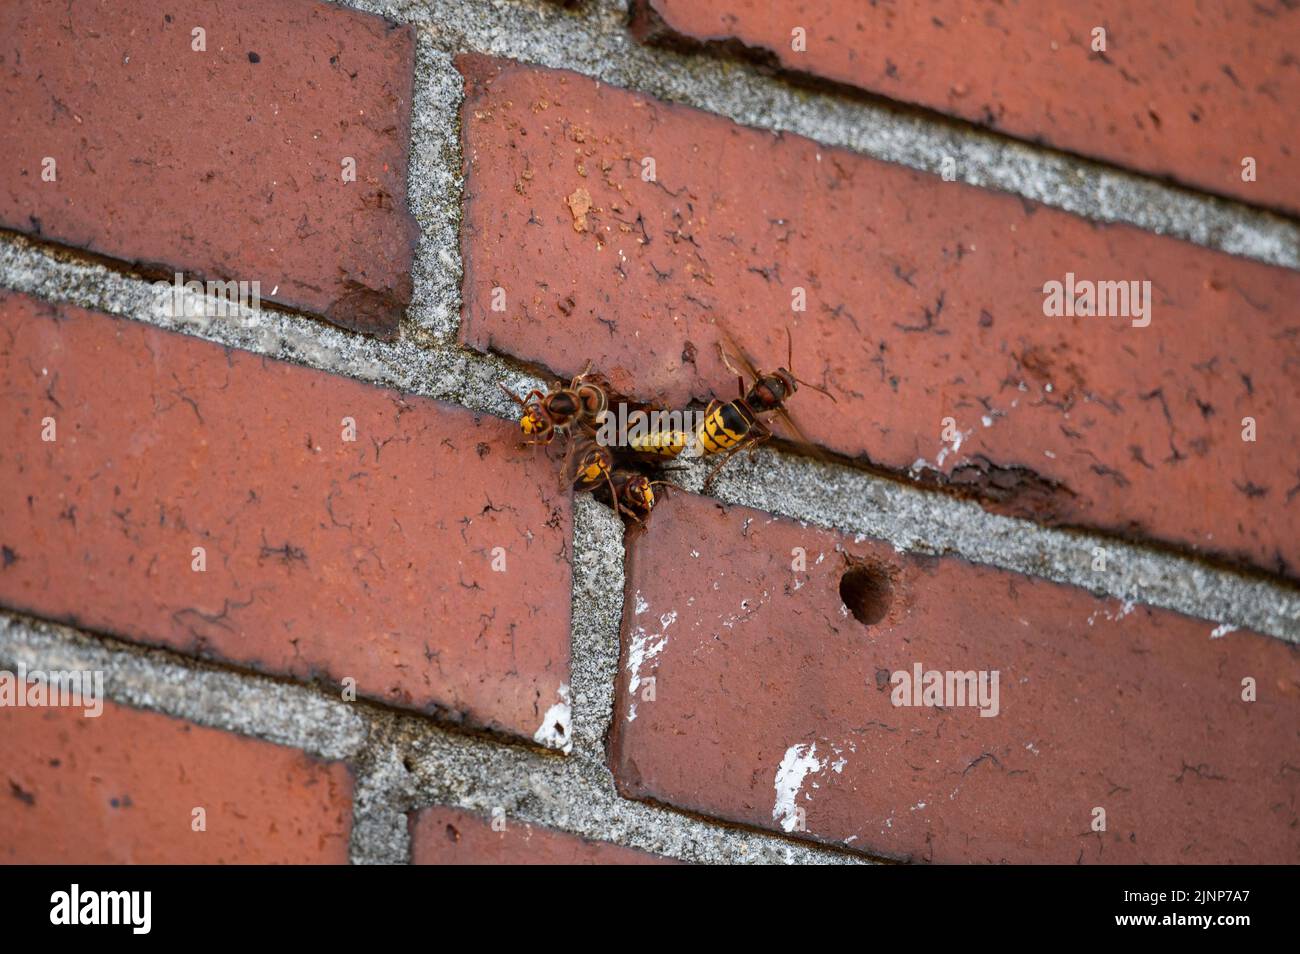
(556,730)
(866,593)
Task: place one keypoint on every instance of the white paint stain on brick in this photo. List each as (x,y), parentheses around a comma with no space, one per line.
(642,649)
(556,730)
(799,762)
(1126,607)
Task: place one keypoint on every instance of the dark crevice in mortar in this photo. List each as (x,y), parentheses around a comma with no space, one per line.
(1009,490)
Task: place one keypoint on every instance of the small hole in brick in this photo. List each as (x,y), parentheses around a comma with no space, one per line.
(866,592)
(559,729)
(452,833)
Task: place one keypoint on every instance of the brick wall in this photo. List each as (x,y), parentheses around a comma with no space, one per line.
(340,614)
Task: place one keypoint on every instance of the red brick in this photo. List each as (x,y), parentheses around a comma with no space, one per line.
(924,302)
(122,789)
(325,559)
(208,162)
(1132,709)
(1183,90)
(452,836)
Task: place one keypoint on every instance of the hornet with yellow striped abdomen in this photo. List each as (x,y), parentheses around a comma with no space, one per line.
(735,426)
(661,445)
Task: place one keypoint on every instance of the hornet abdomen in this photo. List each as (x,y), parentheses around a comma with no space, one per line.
(725,427)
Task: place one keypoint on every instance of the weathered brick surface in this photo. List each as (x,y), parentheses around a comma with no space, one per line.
(325,558)
(122,789)
(1184,89)
(226,163)
(924,301)
(452,836)
(1131,709)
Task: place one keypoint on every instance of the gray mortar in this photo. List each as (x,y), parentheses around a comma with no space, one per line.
(161,681)
(576,793)
(597,614)
(419,362)
(829,495)
(384,792)
(435,189)
(594,40)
